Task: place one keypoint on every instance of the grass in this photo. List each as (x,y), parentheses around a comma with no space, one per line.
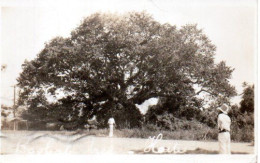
(191,134)
(193,131)
(204,134)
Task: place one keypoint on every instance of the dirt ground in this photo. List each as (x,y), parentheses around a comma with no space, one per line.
(46,142)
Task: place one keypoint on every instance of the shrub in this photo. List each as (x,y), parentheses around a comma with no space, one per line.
(242,126)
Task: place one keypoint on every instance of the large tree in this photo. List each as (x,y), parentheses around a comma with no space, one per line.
(112,62)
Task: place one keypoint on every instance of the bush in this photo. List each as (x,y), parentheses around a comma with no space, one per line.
(182,129)
(151,127)
(37,125)
(242,126)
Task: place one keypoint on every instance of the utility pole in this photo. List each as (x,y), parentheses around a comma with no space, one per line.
(14,108)
(14,101)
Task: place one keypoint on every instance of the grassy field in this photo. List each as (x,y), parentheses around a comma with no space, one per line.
(204,134)
(98,142)
(177,135)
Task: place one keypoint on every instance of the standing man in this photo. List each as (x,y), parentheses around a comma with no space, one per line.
(111,123)
(224,123)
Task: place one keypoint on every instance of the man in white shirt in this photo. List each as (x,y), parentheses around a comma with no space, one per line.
(111,123)
(224,123)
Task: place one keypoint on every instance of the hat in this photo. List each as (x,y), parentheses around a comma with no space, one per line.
(224,109)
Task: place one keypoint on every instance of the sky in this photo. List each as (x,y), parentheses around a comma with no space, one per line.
(230,24)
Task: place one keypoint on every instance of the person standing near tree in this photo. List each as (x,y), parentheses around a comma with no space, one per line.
(111,123)
(224,123)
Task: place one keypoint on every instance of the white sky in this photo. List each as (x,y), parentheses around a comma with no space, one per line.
(26,25)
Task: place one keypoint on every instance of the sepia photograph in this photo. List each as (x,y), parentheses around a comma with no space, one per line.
(148,80)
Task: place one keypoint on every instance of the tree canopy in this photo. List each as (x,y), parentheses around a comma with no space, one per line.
(112,62)
(247,102)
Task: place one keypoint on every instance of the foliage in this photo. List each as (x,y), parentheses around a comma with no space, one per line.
(3,67)
(243,117)
(242,126)
(247,103)
(165,120)
(5,111)
(112,62)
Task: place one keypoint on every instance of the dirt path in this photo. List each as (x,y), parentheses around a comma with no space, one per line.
(51,142)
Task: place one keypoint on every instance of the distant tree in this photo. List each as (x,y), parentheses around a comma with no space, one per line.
(3,67)
(247,102)
(112,62)
(5,111)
